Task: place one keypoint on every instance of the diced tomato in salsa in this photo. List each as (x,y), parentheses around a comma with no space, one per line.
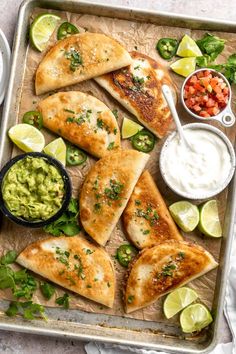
(206,94)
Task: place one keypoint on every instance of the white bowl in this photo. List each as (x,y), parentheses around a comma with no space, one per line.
(226,117)
(211,193)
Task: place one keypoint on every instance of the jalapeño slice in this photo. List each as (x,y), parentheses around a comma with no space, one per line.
(74,156)
(167,47)
(125,253)
(143,141)
(33,118)
(66,29)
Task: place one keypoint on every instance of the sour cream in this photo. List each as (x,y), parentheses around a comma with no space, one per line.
(199,169)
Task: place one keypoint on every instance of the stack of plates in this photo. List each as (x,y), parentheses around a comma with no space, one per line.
(4,64)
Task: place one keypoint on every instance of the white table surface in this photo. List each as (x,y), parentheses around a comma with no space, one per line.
(11,342)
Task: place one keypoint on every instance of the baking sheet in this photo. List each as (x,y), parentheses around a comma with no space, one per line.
(143,37)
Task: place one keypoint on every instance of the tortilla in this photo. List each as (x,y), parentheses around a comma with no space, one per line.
(146,218)
(163,268)
(77,58)
(106,191)
(73,263)
(81,119)
(138,89)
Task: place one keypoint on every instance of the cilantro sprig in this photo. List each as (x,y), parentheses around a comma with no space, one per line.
(29,310)
(67,224)
(20,282)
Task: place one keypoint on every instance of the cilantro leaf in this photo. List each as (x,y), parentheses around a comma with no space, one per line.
(47,290)
(63,301)
(9,257)
(28,309)
(6,278)
(67,224)
(12,309)
(211,45)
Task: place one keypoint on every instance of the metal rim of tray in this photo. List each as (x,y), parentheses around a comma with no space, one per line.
(37,327)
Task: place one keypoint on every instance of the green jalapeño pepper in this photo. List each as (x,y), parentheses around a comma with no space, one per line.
(33,118)
(143,141)
(74,156)
(125,253)
(66,29)
(167,47)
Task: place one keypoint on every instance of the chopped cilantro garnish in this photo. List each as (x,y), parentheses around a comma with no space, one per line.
(97,207)
(138,80)
(130,299)
(47,290)
(63,301)
(115,190)
(115,112)
(137,202)
(75,59)
(69,111)
(111,146)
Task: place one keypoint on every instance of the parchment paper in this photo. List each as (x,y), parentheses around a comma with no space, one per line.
(142,37)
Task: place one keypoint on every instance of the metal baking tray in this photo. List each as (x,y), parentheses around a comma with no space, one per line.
(77,324)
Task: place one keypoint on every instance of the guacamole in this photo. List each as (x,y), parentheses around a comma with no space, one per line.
(33,189)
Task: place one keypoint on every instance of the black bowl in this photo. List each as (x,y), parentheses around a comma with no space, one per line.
(66,199)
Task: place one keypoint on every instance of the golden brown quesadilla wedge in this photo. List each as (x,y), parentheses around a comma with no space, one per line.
(138,89)
(106,191)
(77,58)
(146,218)
(163,268)
(82,119)
(75,264)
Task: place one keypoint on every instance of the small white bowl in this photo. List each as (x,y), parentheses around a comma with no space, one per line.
(211,193)
(226,116)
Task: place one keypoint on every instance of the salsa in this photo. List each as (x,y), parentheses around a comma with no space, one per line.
(206,94)
(33,189)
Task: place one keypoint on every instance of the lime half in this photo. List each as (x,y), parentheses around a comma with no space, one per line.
(177,300)
(27,137)
(194,318)
(184,66)
(129,128)
(209,219)
(188,48)
(41,30)
(57,149)
(185,214)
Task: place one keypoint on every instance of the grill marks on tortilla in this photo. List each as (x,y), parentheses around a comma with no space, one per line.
(162,269)
(75,264)
(147,220)
(106,191)
(138,88)
(79,57)
(81,119)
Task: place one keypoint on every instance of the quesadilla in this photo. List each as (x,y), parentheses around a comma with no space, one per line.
(82,119)
(147,220)
(75,264)
(138,89)
(77,58)
(163,268)
(106,191)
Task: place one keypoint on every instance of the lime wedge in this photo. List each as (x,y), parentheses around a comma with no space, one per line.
(188,48)
(185,214)
(184,66)
(194,318)
(177,300)
(129,128)
(209,219)
(57,149)
(27,137)
(41,30)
